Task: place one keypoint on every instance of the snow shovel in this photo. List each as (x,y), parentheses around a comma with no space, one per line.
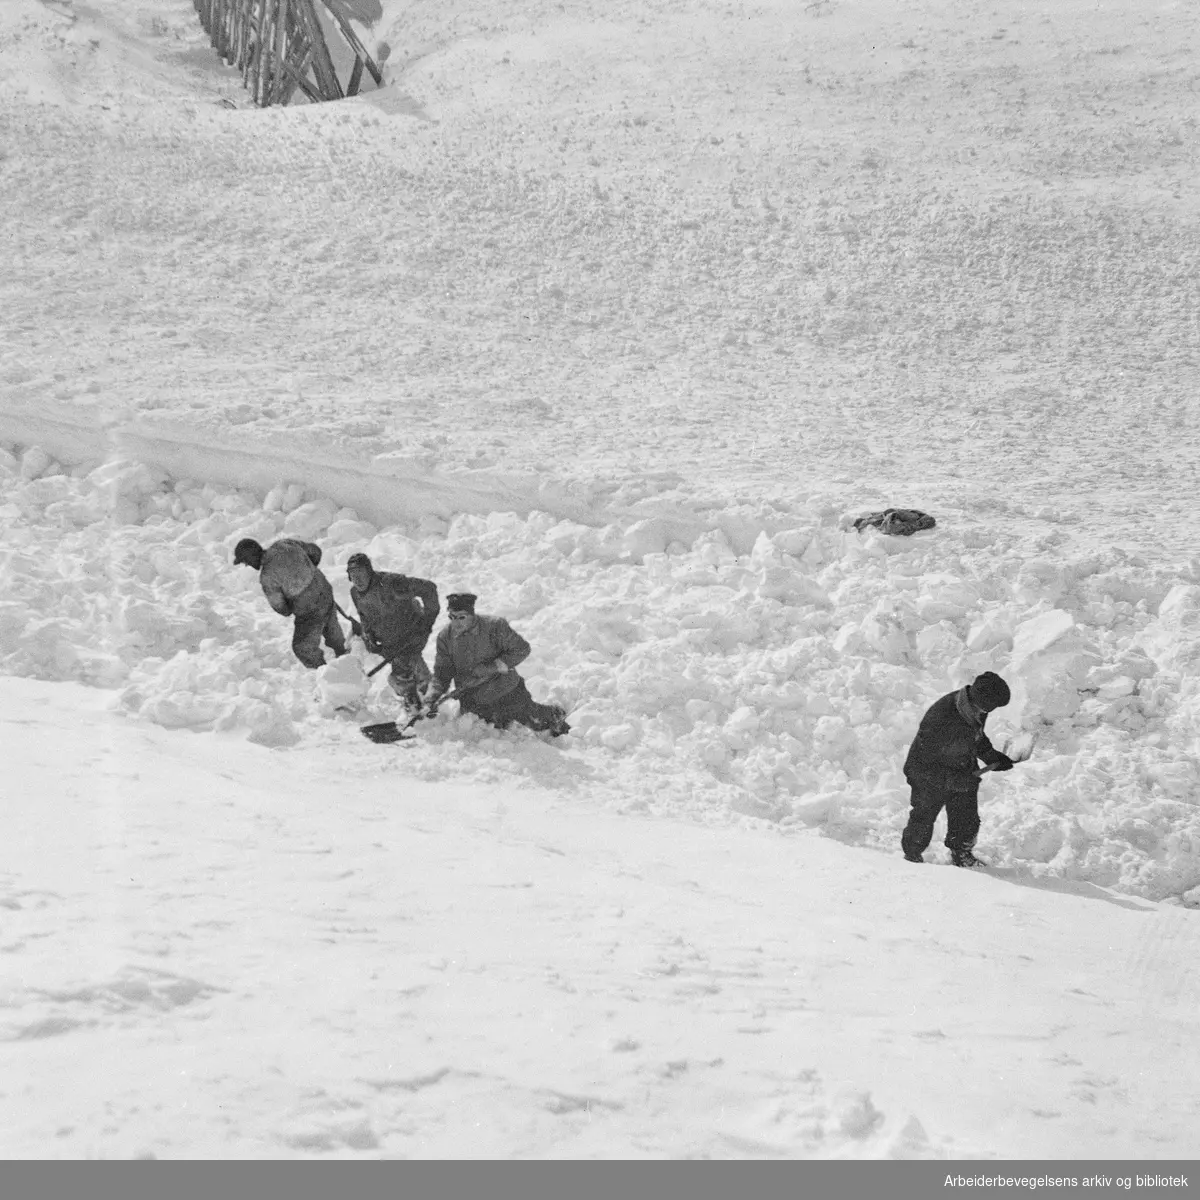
(390,731)
(386,732)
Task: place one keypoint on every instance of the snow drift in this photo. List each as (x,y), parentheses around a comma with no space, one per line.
(758,662)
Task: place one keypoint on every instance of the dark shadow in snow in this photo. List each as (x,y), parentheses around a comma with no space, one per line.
(1071,887)
(546,762)
(392,101)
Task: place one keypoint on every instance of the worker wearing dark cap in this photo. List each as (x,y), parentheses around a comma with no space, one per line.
(479,655)
(295,587)
(942,768)
(396,616)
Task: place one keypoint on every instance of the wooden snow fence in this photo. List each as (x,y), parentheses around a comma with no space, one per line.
(280,46)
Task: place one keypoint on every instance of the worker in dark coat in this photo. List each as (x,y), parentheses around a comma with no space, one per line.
(942,768)
(396,616)
(479,655)
(294,587)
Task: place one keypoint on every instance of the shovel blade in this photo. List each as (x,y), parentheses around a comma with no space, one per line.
(385,732)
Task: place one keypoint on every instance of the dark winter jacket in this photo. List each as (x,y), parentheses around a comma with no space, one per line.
(948,745)
(468,658)
(397,612)
(288,567)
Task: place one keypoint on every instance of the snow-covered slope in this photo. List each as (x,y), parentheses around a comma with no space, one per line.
(220,951)
(943,251)
(616,315)
(718,660)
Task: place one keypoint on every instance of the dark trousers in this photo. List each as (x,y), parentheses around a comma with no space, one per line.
(515,705)
(962,817)
(408,676)
(316,615)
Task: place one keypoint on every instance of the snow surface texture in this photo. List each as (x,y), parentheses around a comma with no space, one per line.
(774,665)
(725,644)
(616,315)
(220,952)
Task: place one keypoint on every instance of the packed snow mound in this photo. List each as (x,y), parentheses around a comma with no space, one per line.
(754,663)
(69,55)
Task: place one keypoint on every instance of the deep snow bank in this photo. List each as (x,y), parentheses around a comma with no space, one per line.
(723,662)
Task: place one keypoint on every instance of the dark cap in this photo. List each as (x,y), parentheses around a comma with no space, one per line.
(989,691)
(249,552)
(461,602)
(359,560)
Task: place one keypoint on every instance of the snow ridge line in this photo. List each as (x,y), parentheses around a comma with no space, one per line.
(385,491)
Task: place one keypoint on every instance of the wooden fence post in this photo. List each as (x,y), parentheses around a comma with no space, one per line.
(275,43)
(281,20)
(340,16)
(260,33)
(322,63)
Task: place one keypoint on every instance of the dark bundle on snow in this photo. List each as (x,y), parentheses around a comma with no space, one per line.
(899,521)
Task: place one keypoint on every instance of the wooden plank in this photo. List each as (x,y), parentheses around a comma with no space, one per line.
(246,48)
(236,21)
(355,78)
(261,55)
(342,17)
(322,63)
(247,45)
(296,77)
(268,53)
(247,39)
(278,79)
(261,32)
(278,48)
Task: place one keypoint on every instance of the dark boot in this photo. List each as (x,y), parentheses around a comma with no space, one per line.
(966,858)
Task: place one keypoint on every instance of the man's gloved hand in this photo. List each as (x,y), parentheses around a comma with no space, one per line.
(1005,764)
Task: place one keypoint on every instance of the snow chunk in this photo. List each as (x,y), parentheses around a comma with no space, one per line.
(350,532)
(1172,639)
(342,682)
(647,537)
(308,521)
(1040,632)
(34,462)
(858,1117)
(619,737)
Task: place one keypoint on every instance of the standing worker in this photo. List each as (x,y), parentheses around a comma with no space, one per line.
(397,614)
(294,587)
(942,768)
(479,653)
